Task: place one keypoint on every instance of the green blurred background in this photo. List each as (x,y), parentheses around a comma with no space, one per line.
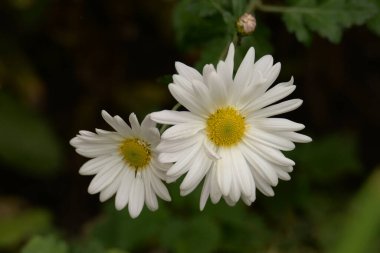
(63,61)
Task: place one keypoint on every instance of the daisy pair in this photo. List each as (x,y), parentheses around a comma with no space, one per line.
(228,138)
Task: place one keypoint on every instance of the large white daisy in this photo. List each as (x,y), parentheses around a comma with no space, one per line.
(228,135)
(124,162)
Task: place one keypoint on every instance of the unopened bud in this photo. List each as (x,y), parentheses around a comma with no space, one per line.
(246,24)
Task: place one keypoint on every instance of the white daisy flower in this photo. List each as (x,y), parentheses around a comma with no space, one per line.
(124,163)
(228,135)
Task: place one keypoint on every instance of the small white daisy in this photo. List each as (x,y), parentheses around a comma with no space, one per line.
(227,136)
(124,162)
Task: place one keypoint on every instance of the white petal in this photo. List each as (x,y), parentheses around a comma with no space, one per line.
(215,193)
(93,166)
(229,201)
(203,93)
(243,96)
(182,165)
(150,196)
(271,75)
(198,170)
(136,197)
(262,184)
(218,89)
(151,136)
(224,172)
(260,165)
(172,146)
(182,131)
(279,108)
(205,192)
(269,153)
(174,117)
(264,65)
(230,60)
(296,137)
(271,96)
(282,174)
(160,189)
(247,200)
(110,135)
(235,193)
(243,74)
(243,174)
(182,82)
(117,123)
(104,178)
(207,70)
(148,122)
(86,133)
(122,194)
(134,124)
(188,100)
(277,124)
(111,189)
(92,152)
(188,72)
(270,140)
(82,140)
(210,150)
(172,157)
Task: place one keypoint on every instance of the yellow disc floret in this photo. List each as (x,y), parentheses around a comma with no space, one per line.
(136,153)
(226,127)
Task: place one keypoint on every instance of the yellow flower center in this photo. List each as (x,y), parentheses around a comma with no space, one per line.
(136,153)
(226,127)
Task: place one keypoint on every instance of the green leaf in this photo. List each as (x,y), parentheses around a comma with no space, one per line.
(362,226)
(26,140)
(327,18)
(20,226)
(47,244)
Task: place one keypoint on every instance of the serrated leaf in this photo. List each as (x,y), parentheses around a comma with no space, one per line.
(26,140)
(47,244)
(327,18)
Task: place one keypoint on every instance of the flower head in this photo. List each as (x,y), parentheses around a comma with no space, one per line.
(228,136)
(246,24)
(124,163)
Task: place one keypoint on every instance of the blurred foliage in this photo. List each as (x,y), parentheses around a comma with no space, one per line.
(47,244)
(26,139)
(20,225)
(329,158)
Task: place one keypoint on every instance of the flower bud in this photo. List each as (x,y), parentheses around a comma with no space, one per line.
(246,24)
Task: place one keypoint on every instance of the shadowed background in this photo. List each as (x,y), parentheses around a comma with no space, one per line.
(62,62)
